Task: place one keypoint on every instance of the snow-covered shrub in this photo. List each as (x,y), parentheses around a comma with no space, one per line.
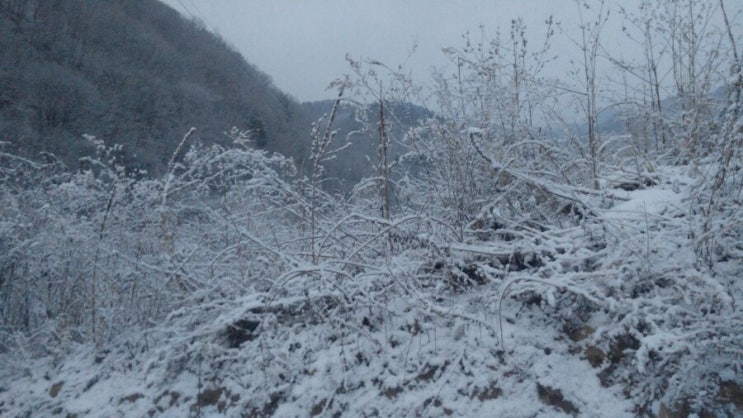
(99,251)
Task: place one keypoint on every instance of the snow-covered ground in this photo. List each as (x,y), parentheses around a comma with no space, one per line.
(608,318)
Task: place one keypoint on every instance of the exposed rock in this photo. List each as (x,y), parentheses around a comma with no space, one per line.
(595,356)
(241,331)
(553,397)
(318,408)
(54,390)
(732,393)
(577,332)
(131,398)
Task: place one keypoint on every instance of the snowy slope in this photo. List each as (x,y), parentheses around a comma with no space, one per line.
(610,317)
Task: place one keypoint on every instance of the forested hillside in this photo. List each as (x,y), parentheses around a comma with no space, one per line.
(130,72)
(493,260)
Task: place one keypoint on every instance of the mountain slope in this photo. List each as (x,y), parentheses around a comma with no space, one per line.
(131,72)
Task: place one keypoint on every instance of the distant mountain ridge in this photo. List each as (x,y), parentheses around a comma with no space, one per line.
(138,74)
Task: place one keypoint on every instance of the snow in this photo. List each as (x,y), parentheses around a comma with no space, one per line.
(597,315)
(474,131)
(448,367)
(652,202)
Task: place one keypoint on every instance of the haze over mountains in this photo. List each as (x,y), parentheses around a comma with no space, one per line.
(138,74)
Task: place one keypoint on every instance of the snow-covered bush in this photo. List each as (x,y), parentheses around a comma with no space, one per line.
(99,251)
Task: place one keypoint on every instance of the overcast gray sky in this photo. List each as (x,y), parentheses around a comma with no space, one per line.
(302,44)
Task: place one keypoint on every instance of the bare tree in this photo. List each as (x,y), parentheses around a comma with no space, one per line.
(589,44)
(694,44)
(642,26)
